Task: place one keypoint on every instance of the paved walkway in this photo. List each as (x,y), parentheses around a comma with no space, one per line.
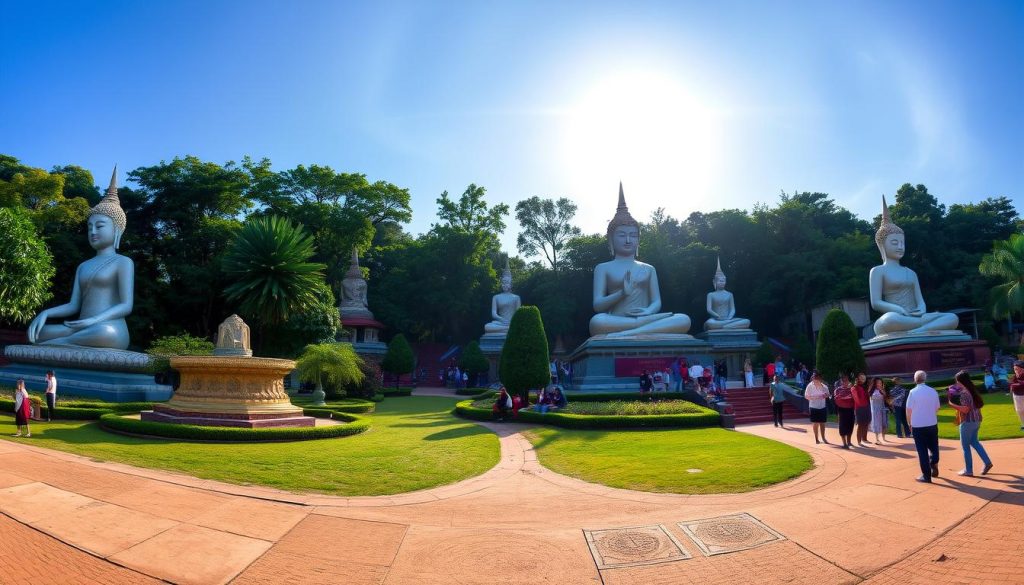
(856,517)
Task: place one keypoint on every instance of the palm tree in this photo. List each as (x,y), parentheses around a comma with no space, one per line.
(1006,262)
(269,263)
(334,362)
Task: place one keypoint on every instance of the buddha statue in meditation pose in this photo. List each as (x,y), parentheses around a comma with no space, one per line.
(626,294)
(722,307)
(895,291)
(103,291)
(503,305)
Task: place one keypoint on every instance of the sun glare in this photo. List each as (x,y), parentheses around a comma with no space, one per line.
(649,131)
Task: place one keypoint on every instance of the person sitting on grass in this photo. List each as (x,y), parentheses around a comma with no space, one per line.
(502,405)
(517,403)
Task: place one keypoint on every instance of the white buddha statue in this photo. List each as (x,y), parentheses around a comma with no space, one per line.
(722,306)
(103,292)
(503,305)
(626,293)
(895,291)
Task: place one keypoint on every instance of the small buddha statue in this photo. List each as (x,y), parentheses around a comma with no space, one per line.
(233,338)
(895,290)
(722,306)
(627,298)
(503,305)
(103,292)
(353,287)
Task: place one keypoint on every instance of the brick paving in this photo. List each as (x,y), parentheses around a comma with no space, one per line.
(858,517)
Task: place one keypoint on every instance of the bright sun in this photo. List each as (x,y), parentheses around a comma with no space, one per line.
(650,132)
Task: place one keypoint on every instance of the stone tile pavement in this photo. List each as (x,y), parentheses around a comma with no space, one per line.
(858,516)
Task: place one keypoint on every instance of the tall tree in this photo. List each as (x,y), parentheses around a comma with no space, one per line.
(546,227)
(1006,264)
(524,358)
(470,214)
(26,267)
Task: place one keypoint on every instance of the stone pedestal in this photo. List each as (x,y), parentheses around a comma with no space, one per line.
(491,345)
(109,374)
(614,364)
(364,335)
(937,354)
(733,346)
(230,392)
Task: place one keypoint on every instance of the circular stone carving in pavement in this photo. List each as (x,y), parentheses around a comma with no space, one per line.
(629,543)
(730,533)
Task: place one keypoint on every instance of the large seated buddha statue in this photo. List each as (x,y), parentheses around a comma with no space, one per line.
(722,306)
(103,291)
(503,305)
(626,294)
(895,291)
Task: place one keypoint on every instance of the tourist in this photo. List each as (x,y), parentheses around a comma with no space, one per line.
(861,408)
(558,400)
(1017,389)
(502,405)
(999,374)
(964,397)
(465,379)
(777,394)
(645,383)
(517,403)
(748,374)
(658,381)
(22,408)
(769,372)
(51,395)
(990,381)
(780,367)
(696,375)
(879,399)
(816,394)
(923,413)
(898,401)
(843,396)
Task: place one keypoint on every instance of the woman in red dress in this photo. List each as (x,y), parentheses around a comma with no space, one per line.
(22,408)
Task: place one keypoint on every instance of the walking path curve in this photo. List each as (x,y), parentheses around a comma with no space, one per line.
(857,516)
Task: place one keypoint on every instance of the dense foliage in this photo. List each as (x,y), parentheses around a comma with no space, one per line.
(331,364)
(26,267)
(399,359)
(473,359)
(839,350)
(524,358)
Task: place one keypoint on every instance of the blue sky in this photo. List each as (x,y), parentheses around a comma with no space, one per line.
(694,106)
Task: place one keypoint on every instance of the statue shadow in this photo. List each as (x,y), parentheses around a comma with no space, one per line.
(458,433)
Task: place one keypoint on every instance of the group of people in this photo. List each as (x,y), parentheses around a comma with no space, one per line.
(454,377)
(23,404)
(866,404)
(795,370)
(551,397)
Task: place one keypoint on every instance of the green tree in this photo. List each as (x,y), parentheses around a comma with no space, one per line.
(268,263)
(26,267)
(316,322)
(334,363)
(473,361)
(764,354)
(546,227)
(399,358)
(524,358)
(803,351)
(839,350)
(470,214)
(1006,263)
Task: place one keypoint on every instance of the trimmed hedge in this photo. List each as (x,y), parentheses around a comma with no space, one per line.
(707,418)
(472,391)
(119,424)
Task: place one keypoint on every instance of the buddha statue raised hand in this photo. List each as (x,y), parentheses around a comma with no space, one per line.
(627,298)
(103,291)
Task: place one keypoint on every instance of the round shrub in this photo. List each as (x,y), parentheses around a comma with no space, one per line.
(524,358)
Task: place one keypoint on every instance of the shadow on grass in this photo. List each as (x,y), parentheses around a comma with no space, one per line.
(458,433)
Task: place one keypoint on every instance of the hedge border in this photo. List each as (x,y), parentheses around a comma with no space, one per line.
(710,418)
(475,391)
(117,423)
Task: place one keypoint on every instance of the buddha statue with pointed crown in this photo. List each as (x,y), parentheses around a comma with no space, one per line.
(895,290)
(503,305)
(103,292)
(722,306)
(627,298)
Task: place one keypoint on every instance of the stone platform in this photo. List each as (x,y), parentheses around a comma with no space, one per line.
(902,357)
(253,421)
(109,374)
(613,364)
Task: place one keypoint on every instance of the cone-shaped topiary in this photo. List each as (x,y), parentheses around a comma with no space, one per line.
(399,359)
(473,360)
(839,348)
(524,359)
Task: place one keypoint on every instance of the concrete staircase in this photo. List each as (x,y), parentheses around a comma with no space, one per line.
(751,405)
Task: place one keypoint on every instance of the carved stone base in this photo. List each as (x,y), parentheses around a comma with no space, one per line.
(936,358)
(613,364)
(81,358)
(106,385)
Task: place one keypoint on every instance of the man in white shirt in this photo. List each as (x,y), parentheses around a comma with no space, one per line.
(51,394)
(923,414)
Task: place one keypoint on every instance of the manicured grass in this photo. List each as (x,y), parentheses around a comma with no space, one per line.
(657,461)
(414,443)
(998,419)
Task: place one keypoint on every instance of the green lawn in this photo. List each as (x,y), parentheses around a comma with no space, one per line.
(414,443)
(657,461)
(998,419)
